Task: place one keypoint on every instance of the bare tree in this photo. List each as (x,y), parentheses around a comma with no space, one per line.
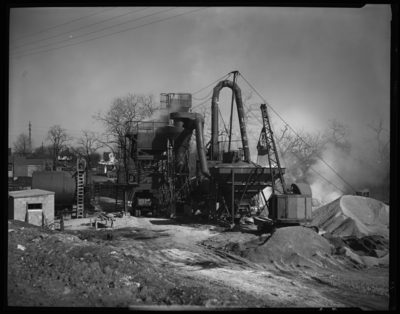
(337,134)
(382,140)
(377,157)
(299,151)
(23,145)
(39,151)
(88,144)
(132,107)
(58,138)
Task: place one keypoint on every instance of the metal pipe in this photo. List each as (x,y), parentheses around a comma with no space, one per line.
(230,123)
(233,196)
(190,122)
(214,119)
(201,151)
(214,123)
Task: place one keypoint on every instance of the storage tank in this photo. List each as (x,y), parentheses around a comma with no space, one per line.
(60,182)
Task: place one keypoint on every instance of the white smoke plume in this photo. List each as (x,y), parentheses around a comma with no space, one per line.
(351,174)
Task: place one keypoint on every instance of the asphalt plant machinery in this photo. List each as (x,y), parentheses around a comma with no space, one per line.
(231,180)
(157,168)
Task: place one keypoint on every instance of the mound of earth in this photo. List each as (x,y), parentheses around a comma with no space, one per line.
(58,269)
(353,216)
(294,246)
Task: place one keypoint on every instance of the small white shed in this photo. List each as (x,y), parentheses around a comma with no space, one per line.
(33,206)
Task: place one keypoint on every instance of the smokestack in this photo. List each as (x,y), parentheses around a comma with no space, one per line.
(29,132)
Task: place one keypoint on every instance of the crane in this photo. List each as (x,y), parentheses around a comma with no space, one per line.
(286,206)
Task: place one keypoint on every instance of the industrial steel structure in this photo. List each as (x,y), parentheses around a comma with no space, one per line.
(158,175)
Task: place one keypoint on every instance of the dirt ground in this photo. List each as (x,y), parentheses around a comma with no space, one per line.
(156,263)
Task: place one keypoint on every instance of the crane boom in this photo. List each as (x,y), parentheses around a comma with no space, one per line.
(266,145)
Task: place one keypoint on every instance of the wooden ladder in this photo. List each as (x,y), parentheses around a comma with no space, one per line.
(80,185)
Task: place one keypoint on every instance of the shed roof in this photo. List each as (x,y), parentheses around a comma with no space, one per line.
(23,161)
(29,193)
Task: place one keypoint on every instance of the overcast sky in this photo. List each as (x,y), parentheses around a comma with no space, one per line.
(309,64)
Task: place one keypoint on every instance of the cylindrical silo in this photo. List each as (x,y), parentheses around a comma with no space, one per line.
(60,182)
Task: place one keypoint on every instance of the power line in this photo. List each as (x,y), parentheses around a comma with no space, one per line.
(114,33)
(286,124)
(61,25)
(34,42)
(61,41)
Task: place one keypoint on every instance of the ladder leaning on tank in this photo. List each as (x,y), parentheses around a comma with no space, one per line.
(80,187)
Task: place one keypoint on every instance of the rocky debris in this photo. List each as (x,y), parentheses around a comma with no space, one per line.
(353,216)
(367,246)
(367,251)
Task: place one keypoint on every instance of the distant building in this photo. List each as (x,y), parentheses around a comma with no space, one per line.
(108,162)
(10,168)
(64,158)
(108,156)
(24,167)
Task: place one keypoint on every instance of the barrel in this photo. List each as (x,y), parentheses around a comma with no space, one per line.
(60,182)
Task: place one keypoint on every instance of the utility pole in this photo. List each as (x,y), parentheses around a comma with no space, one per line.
(29,132)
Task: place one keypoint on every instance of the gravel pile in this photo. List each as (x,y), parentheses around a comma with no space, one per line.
(291,246)
(353,216)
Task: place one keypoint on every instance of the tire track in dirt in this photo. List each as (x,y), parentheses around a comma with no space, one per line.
(191,260)
(171,245)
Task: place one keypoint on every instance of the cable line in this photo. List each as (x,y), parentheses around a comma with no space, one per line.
(294,154)
(168,18)
(220,114)
(203,97)
(227,75)
(286,124)
(34,42)
(61,41)
(61,25)
(201,103)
